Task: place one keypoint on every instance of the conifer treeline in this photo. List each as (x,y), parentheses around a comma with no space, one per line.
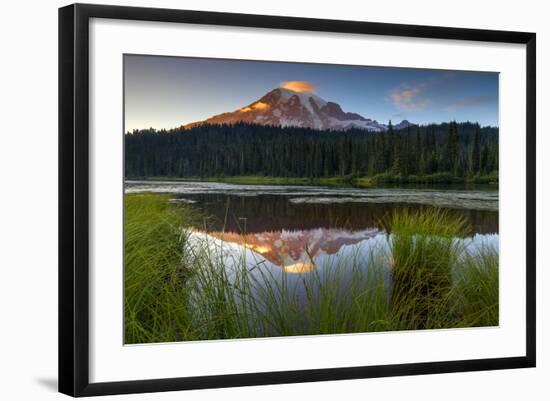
(461,149)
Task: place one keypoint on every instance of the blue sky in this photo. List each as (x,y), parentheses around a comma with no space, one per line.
(166,92)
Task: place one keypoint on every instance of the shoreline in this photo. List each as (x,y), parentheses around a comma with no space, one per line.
(385,181)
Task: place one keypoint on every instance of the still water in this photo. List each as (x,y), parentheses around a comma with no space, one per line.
(296,229)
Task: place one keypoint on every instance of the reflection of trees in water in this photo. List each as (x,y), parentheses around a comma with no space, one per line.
(482,221)
(271,212)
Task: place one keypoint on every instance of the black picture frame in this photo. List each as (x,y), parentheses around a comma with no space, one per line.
(74,200)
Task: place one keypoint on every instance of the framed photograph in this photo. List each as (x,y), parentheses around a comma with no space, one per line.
(249,199)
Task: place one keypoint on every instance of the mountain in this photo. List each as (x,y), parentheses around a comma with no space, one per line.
(403,124)
(285,107)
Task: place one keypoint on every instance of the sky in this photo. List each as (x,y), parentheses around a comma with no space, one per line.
(166,92)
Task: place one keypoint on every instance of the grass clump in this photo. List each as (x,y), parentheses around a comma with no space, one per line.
(423,248)
(438,282)
(155,306)
(474,297)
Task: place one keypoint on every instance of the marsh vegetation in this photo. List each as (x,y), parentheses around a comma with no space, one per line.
(188,277)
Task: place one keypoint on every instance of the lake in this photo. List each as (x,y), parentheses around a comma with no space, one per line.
(293,228)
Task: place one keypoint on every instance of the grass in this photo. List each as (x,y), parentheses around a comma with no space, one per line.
(475,293)
(154,273)
(423,248)
(178,288)
(347,181)
(442,178)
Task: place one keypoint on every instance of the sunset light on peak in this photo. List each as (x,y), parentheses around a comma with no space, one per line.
(255,106)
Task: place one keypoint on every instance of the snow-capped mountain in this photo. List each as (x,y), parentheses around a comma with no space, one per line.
(285,107)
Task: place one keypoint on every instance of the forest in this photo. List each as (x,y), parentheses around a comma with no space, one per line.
(461,150)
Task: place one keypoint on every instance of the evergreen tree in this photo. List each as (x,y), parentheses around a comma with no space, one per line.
(397,167)
(485,159)
(451,150)
(418,157)
(476,154)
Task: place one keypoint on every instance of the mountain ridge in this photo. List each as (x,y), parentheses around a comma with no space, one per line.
(285,107)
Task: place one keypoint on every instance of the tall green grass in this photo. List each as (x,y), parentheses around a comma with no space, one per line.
(178,288)
(474,297)
(155,276)
(423,247)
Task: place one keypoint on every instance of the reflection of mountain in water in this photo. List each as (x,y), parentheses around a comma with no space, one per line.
(295,250)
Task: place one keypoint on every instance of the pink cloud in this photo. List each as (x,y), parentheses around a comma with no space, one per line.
(409,97)
(299,86)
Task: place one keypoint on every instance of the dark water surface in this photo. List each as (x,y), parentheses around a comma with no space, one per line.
(252,214)
(295,227)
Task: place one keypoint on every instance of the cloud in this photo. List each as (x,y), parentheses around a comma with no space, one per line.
(469,101)
(299,86)
(409,97)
